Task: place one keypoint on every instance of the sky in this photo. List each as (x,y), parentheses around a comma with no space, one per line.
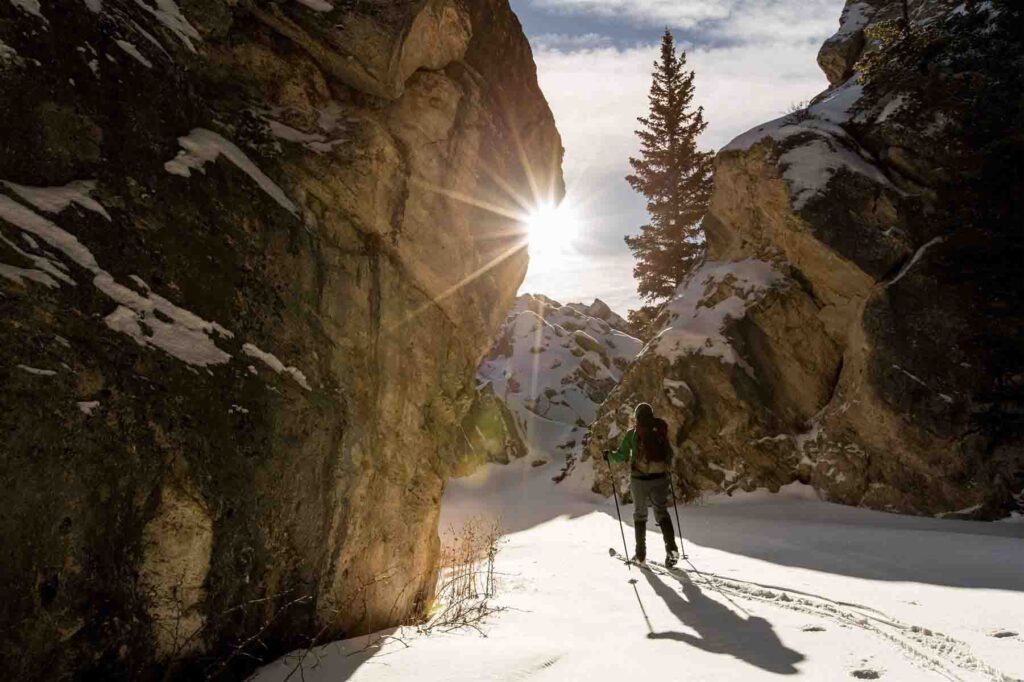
(753,59)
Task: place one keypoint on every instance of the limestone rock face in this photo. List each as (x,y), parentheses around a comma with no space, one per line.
(857,323)
(246,277)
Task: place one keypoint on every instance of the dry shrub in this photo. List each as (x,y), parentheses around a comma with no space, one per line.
(466,579)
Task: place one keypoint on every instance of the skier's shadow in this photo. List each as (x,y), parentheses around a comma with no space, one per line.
(721,630)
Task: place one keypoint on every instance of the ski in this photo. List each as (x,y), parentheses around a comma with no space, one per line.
(654,566)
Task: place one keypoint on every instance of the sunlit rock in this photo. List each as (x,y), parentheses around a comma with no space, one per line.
(857,322)
(250,257)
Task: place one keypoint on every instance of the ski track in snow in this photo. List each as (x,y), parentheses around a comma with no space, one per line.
(925,647)
(775,584)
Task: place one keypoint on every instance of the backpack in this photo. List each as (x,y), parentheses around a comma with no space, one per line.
(652,442)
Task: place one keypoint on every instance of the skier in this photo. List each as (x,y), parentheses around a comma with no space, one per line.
(650,453)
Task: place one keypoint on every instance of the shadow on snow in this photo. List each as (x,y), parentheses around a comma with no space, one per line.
(720,630)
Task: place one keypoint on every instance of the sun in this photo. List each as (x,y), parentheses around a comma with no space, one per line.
(551,229)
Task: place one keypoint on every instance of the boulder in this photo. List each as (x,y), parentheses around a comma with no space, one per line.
(856,324)
(245,283)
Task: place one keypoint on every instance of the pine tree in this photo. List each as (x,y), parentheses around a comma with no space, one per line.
(674,176)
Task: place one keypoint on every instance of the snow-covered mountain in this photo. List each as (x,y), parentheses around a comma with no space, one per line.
(545,377)
(557,362)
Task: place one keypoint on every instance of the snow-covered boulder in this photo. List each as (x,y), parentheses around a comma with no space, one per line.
(552,366)
(242,315)
(857,323)
(601,310)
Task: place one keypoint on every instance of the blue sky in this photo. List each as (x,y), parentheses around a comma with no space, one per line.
(753,59)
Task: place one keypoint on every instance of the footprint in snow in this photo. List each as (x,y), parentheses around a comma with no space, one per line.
(1004,633)
(866,674)
(812,628)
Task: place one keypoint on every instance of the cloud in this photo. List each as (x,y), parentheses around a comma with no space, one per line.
(574,280)
(566,41)
(597,88)
(679,13)
(727,21)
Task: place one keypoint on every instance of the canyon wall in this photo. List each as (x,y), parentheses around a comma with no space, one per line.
(251,254)
(857,322)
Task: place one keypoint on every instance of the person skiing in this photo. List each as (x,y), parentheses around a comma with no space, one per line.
(648,449)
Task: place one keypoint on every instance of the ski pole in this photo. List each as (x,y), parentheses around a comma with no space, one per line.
(682,549)
(618,514)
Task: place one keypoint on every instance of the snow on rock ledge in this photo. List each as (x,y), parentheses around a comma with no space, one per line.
(712,295)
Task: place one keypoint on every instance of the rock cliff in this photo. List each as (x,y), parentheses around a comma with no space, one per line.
(251,254)
(542,381)
(857,322)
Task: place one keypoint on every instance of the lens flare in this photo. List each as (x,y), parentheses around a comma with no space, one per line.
(551,229)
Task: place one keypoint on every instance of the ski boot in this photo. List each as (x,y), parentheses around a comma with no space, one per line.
(640,556)
(671,550)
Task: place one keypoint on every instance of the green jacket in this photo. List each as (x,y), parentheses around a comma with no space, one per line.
(629,449)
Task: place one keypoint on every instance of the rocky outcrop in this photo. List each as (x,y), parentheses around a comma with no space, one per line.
(491,433)
(246,277)
(543,380)
(856,325)
(601,310)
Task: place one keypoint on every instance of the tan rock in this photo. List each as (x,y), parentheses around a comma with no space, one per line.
(328,201)
(868,365)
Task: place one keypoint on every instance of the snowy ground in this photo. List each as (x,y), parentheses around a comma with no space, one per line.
(776,585)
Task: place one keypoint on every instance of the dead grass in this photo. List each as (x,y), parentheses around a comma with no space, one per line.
(466,579)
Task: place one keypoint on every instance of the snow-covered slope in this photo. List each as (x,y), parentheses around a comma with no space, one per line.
(557,362)
(552,366)
(776,585)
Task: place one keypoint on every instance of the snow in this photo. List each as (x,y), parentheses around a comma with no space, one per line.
(836,106)
(48,271)
(87,407)
(892,106)
(316,142)
(170,16)
(8,55)
(775,584)
(673,388)
(854,18)
(56,199)
(134,53)
(552,359)
(317,5)
(176,331)
(809,168)
(37,372)
(811,164)
(202,146)
(273,363)
(695,326)
(190,345)
(913,260)
(30,6)
(965,511)
(94,5)
(823,149)
(19,275)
